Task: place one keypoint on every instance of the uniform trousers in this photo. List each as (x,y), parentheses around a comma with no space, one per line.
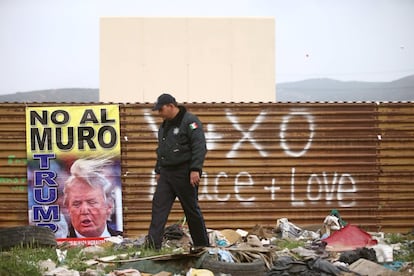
(173,183)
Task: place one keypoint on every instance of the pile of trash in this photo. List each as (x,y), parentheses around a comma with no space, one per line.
(335,248)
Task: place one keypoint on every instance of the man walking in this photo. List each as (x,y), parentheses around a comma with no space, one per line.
(180,156)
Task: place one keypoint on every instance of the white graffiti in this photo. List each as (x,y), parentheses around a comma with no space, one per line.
(323,189)
(246,134)
(293,200)
(332,188)
(216,190)
(272,189)
(240,184)
(346,179)
(242,180)
(211,137)
(317,188)
(284,127)
(150,120)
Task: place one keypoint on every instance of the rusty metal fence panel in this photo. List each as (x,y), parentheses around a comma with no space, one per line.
(396,159)
(265,161)
(13,181)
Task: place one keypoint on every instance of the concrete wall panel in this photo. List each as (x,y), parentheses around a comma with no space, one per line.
(197,59)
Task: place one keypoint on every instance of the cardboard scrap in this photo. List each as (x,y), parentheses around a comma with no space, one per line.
(366,267)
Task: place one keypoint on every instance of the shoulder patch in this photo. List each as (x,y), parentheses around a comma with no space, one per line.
(193,125)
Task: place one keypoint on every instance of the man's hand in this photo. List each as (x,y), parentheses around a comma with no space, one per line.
(194,178)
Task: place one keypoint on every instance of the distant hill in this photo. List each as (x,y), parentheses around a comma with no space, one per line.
(322,90)
(76,95)
(312,90)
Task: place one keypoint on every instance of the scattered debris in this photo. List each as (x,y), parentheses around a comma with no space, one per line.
(349,238)
(336,248)
(366,267)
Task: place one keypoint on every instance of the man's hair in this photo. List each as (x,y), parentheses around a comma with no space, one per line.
(92,172)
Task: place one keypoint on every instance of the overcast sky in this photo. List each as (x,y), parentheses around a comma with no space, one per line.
(48,44)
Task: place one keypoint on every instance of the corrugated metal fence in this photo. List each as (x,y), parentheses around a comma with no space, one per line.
(265,161)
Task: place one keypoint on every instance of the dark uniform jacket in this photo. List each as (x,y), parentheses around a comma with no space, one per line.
(181,140)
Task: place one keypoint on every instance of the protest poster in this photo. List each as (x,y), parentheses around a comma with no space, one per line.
(74,171)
